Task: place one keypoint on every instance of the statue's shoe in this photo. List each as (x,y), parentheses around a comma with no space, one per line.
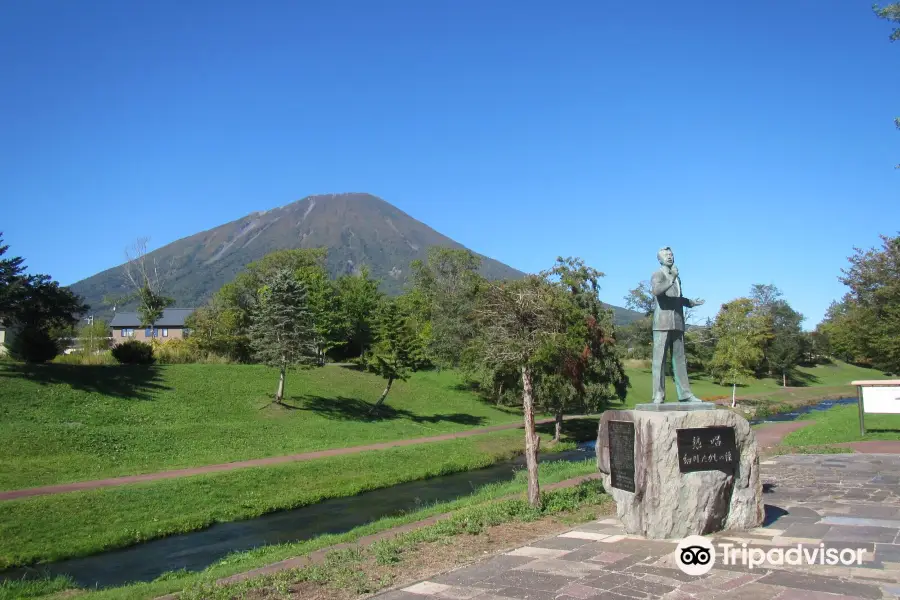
(691,398)
(658,400)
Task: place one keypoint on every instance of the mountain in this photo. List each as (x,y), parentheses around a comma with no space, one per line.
(357,229)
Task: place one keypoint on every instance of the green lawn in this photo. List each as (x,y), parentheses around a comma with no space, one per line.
(63,423)
(822,380)
(841,424)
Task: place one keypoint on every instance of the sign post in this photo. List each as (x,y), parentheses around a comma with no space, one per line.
(877,397)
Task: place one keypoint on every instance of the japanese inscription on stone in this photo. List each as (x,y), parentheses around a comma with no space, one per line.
(621,455)
(707,449)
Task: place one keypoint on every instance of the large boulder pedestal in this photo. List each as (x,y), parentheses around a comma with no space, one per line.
(675,473)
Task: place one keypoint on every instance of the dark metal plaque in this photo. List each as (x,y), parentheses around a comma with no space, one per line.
(707,449)
(621,454)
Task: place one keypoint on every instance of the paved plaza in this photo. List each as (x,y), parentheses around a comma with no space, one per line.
(820,501)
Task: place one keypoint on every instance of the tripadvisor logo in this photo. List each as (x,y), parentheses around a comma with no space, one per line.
(696,555)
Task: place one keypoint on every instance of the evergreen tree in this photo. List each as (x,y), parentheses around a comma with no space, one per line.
(329,319)
(395,353)
(786,347)
(359,299)
(281,331)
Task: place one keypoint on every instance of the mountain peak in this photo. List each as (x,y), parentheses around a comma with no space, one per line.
(359,229)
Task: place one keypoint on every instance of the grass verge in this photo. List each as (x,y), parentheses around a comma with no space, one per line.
(841,424)
(245,561)
(49,528)
(356,571)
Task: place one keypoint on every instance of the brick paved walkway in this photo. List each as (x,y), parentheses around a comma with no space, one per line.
(820,501)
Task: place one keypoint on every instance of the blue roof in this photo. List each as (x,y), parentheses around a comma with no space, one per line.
(171,317)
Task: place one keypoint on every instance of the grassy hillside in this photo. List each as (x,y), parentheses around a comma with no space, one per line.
(61,423)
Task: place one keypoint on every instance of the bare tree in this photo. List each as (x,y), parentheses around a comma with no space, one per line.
(146,280)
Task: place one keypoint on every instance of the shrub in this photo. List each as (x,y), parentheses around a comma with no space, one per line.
(133,352)
(174,352)
(85,358)
(33,345)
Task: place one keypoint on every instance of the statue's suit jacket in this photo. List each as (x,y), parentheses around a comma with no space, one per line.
(668,314)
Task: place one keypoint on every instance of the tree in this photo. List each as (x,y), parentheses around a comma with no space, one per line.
(222,325)
(329,320)
(37,306)
(699,345)
(891,13)
(146,280)
(394,354)
(637,338)
(12,279)
(737,351)
(641,299)
(786,347)
(581,370)
(448,284)
(94,336)
(281,330)
(359,298)
(864,326)
(517,321)
(765,297)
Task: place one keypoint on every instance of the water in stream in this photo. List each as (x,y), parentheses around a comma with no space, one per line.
(197,550)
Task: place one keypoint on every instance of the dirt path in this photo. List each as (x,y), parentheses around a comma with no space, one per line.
(767,436)
(771,434)
(873,446)
(258,462)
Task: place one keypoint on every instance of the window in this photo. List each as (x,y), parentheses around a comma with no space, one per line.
(127,332)
(165,332)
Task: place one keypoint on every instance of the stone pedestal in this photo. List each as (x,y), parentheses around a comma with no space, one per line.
(713,484)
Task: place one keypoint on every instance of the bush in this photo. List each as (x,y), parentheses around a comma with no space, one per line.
(85,358)
(33,345)
(133,352)
(174,352)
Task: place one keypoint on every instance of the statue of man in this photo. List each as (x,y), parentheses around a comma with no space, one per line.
(668,328)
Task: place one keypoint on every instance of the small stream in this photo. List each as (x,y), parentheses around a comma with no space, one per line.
(803,410)
(197,550)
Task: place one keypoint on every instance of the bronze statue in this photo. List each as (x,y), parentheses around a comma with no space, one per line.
(668,328)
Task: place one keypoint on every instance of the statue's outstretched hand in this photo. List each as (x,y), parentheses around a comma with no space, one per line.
(697,302)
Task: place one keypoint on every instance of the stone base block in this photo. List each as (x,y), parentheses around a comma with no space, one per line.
(667,503)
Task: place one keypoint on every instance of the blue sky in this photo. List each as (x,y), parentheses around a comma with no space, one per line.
(755,139)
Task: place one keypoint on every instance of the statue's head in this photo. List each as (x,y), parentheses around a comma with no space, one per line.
(665,256)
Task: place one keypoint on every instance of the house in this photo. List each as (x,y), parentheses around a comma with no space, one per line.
(127,326)
(5,336)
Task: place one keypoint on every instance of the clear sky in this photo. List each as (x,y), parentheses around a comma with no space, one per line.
(755,138)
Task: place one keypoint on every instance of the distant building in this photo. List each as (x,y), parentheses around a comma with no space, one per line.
(127,326)
(5,336)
